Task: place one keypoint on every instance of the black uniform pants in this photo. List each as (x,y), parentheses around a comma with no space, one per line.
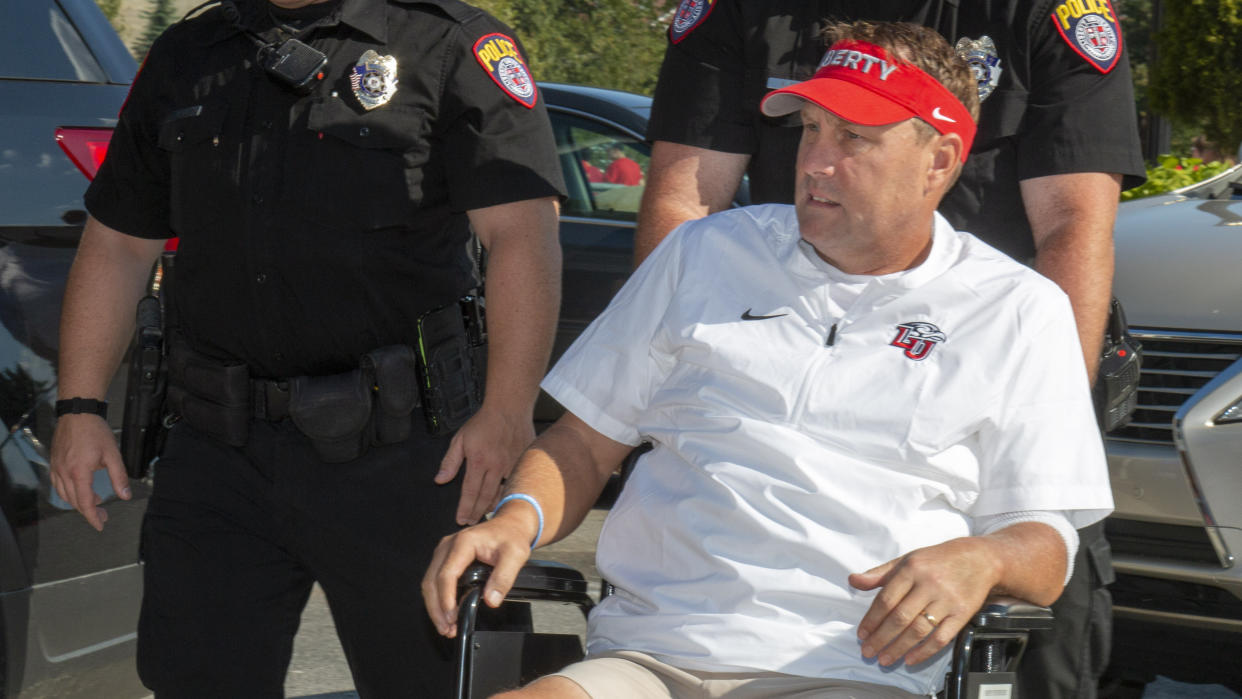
(234,539)
(1066,662)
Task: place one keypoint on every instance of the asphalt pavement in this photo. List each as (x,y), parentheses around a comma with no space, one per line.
(319,671)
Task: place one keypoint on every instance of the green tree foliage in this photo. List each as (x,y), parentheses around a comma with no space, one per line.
(1196,80)
(1136,20)
(606,43)
(1173,173)
(111,8)
(162,14)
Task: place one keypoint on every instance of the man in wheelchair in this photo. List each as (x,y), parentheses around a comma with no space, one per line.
(863,422)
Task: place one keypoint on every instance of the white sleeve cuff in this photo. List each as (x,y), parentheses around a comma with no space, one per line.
(1057,519)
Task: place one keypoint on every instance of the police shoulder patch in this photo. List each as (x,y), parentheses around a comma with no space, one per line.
(499,56)
(690,14)
(1090,27)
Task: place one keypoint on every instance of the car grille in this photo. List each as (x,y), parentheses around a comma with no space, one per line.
(1175,366)
(1178,597)
(1160,541)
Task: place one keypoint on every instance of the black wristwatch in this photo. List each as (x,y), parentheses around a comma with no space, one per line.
(82,405)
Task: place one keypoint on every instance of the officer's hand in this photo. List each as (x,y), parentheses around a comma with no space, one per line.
(489,444)
(502,542)
(83,444)
(948,582)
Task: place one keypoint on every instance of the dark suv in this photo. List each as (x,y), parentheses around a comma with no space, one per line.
(68,595)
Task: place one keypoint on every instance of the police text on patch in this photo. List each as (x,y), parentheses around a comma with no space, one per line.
(1078,8)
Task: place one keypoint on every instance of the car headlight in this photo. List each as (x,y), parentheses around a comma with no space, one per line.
(1231,414)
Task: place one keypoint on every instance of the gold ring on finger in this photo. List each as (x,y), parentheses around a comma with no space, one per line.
(930,619)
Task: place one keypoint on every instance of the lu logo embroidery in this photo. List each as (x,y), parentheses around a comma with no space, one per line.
(918,339)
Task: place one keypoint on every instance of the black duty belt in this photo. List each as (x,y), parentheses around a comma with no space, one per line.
(269,399)
(344,414)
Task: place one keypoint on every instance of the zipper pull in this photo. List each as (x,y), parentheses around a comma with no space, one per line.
(832,336)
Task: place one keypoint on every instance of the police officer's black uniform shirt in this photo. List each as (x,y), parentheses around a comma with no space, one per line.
(1052,112)
(312,228)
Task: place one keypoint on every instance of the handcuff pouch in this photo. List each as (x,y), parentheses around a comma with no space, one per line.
(212,396)
(333,412)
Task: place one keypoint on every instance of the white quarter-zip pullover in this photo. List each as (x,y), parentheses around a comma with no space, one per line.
(808,424)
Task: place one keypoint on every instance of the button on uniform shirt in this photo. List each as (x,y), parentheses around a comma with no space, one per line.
(314,229)
(784,460)
(1052,111)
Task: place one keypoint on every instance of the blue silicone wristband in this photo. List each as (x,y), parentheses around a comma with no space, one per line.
(533,503)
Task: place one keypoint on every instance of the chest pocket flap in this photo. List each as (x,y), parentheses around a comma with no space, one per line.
(186,126)
(390,127)
(1001,114)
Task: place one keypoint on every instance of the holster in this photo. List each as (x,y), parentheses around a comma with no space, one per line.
(143,427)
(141,432)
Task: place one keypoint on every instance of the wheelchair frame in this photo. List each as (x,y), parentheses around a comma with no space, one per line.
(984,665)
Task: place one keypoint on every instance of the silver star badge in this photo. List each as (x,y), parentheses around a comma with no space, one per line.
(374,79)
(980,54)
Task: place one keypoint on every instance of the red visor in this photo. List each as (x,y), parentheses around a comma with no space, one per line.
(860,83)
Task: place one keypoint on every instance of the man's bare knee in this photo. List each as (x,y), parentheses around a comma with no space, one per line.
(547,688)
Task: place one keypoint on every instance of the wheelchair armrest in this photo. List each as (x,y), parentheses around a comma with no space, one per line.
(537,581)
(1001,613)
(534,653)
(988,650)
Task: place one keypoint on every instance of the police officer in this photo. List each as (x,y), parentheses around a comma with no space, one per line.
(1057,138)
(325,204)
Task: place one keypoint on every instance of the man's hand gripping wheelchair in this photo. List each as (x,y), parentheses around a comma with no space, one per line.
(985,655)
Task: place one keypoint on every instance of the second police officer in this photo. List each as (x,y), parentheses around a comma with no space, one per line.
(324,163)
(1057,140)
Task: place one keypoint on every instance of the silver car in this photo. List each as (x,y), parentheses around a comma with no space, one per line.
(1177,468)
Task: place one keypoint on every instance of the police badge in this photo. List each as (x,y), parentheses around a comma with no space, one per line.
(980,54)
(374,79)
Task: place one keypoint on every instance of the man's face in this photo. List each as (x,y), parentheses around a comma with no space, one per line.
(859,190)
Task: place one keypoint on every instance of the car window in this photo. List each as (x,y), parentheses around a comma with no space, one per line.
(38,42)
(605,168)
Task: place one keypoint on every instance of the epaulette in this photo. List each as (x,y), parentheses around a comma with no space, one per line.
(454,9)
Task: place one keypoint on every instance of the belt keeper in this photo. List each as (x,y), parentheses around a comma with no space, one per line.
(258,399)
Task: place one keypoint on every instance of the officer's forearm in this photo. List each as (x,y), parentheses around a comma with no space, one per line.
(108,276)
(683,183)
(523,291)
(1072,219)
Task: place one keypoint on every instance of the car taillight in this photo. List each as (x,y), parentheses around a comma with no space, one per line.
(86,147)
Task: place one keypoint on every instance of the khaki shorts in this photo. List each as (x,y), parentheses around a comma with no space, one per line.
(632,675)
